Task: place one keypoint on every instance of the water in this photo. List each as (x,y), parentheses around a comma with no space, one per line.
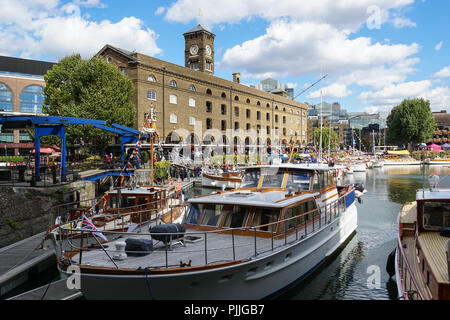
(345,276)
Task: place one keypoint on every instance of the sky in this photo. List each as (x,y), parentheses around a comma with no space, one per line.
(373,53)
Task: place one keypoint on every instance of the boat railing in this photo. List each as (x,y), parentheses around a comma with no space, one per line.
(410,287)
(117,213)
(240,243)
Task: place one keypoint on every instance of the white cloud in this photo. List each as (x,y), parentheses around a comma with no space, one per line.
(438,46)
(302,48)
(401,22)
(443,73)
(160,11)
(334,90)
(346,15)
(37,28)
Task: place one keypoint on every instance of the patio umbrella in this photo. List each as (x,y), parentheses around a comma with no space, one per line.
(44,150)
(446,146)
(435,147)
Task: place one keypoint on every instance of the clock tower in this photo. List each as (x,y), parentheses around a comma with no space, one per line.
(199,50)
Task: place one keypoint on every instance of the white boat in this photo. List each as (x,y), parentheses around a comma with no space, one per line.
(421,261)
(250,243)
(222,180)
(359,167)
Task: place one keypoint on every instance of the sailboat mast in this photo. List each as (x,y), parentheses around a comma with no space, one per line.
(321,125)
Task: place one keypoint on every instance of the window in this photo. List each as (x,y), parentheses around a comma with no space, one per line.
(191,87)
(208,106)
(248,100)
(223,125)
(236,126)
(32,99)
(236,111)
(208,123)
(108,59)
(173,118)
(194,65)
(276,118)
(223,95)
(173,83)
(258,115)
(212,213)
(248,126)
(247,113)
(264,216)
(223,109)
(284,119)
(284,131)
(151,95)
(268,116)
(236,217)
(173,99)
(192,121)
(208,91)
(436,215)
(192,102)
(236,98)
(193,213)
(151,78)
(258,103)
(6,98)
(208,66)
(267,105)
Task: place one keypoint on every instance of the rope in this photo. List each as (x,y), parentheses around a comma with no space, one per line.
(147,279)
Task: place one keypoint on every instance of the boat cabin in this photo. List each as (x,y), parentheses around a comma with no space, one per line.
(268,198)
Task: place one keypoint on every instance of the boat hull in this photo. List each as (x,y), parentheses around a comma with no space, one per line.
(258,278)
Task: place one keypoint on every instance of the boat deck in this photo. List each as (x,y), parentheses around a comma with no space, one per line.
(433,246)
(218,247)
(409,245)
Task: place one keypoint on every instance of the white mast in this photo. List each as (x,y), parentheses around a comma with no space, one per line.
(321,125)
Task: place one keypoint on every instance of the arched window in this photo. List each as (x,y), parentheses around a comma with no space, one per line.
(248,100)
(6,98)
(173,99)
(236,98)
(208,91)
(32,99)
(173,83)
(258,103)
(223,95)
(151,78)
(191,87)
(173,118)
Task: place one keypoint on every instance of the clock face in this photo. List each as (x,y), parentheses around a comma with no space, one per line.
(208,50)
(194,49)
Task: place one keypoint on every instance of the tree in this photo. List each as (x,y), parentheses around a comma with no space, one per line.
(326,137)
(410,122)
(89,89)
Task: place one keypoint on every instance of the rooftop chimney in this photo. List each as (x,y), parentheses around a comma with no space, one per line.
(237,77)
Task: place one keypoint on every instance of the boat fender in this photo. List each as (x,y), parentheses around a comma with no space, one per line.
(390,265)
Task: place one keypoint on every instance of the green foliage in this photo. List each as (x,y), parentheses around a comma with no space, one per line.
(410,122)
(325,137)
(11,223)
(145,156)
(161,168)
(11,159)
(89,89)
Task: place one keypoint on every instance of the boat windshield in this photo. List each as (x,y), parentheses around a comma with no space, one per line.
(273,178)
(436,215)
(235,216)
(251,178)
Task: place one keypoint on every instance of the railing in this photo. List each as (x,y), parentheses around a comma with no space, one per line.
(244,242)
(410,287)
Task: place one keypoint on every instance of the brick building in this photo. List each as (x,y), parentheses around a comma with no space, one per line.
(21,91)
(194,106)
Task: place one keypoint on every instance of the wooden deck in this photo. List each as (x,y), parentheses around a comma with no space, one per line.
(411,255)
(433,246)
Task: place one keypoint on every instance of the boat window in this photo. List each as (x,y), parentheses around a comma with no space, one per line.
(436,215)
(211,214)
(298,180)
(112,202)
(273,178)
(236,217)
(142,201)
(251,178)
(128,201)
(318,181)
(290,213)
(193,214)
(265,216)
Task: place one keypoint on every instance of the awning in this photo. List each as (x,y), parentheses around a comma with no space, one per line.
(399,152)
(44,150)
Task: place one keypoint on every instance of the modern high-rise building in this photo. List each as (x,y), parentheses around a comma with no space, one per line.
(273,86)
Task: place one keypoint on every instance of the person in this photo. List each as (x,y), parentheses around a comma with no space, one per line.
(108,160)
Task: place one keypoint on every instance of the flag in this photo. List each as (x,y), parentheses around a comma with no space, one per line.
(121,178)
(87,224)
(170,181)
(105,198)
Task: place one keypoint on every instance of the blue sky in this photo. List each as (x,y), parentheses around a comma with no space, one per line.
(375,52)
